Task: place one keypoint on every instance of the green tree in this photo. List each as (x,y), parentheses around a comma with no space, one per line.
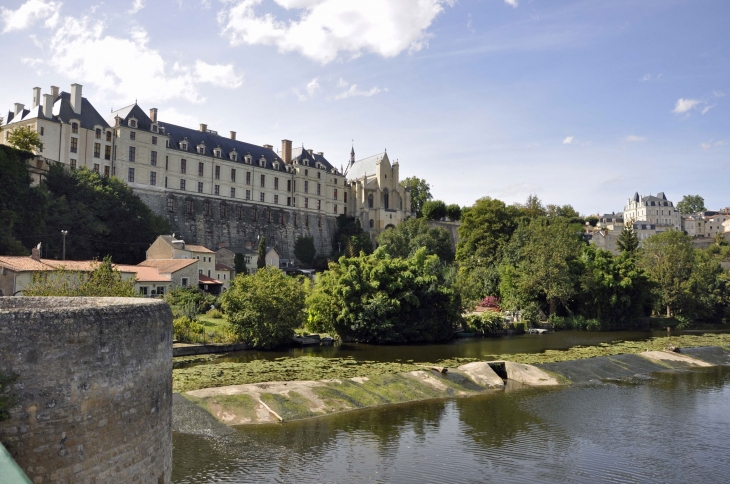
(261,261)
(691,204)
(628,241)
(485,228)
(420,193)
(239,263)
(304,249)
(25,138)
(668,259)
(434,210)
(350,238)
(453,211)
(266,307)
(104,280)
(379,299)
(708,291)
(409,236)
(533,207)
(592,220)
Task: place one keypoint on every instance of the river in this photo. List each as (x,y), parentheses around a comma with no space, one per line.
(673,427)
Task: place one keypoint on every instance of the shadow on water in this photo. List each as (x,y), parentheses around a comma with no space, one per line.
(673,427)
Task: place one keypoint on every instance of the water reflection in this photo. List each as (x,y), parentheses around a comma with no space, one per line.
(672,428)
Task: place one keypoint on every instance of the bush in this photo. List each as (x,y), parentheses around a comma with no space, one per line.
(103,281)
(187,330)
(485,323)
(531,313)
(521,327)
(265,307)
(453,211)
(578,323)
(215,314)
(489,302)
(189,301)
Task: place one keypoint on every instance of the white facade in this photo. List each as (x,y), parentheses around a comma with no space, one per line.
(656,210)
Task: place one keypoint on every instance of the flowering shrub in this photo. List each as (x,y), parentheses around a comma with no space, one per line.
(489,302)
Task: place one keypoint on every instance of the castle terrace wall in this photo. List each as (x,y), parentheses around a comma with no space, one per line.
(94,388)
(243,222)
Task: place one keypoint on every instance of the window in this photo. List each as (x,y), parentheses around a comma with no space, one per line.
(182,184)
(75,128)
(106,171)
(336,180)
(276,183)
(319,175)
(217,153)
(153,158)
(154,140)
(233,175)
(132,153)
(143,290)
(217,189)
(153,178)
(233,192)
(263,180)
(133,135)
(97,150)
(276,199)
(288,201)
(248,194)
(306,186)
(183,166)
(109,136)
(335,208)
(43,131)
(344,197)
(73,163)
(306,220)
(74,145)
(189,206)
(288,185)
(184,282)
(306,202)
(370,201)
(344,210)
(239,212)
(372,223)
(130,175)
(217,172)
(319,189)
(107,152)
(132,123)
(306,173)
(386,199)
(200,187)
(96,167)
(319,204)
(335,196)
(201,169)
(167,162)
(207,212)
(165,182)
(223,210)
(248,178)
(234,156)
(167,143)
(97,133)
(262,197)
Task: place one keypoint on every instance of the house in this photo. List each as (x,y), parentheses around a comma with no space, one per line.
(227,256)
(181,272)
(225,274)
(656,210)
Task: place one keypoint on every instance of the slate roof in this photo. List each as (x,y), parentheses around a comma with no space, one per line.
(365,167)
(240,250)
(62,111)
(223,267)
(301,155)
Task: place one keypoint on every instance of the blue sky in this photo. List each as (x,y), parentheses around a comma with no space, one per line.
(580,102)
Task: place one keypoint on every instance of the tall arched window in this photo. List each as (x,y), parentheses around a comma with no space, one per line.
(372,223)
(386,199)
(370,201)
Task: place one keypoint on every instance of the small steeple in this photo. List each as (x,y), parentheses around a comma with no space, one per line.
(352,153)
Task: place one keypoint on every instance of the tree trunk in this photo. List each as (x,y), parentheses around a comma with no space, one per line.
(669,312)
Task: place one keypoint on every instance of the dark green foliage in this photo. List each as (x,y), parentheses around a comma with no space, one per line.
(103,281)
(691,204)
(261,260)
(304,249)
(239,263)
(7,396)
(350,239)
(453,211)
(189,301)
(409,236)
(266,307)
(434,210)
(379,299)
(420,193)
(628,241)
(485,323)
(485,228)
(592,220)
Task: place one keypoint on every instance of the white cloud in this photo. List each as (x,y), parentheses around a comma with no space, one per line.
(634,139)
(342,83)
(324,29)
(123,69)
(685,105)
(568,140)
(354,91)
(173,116)
(310,90)
(707,108)
(513,3)
(137,6)
(718,94)
(646,77)
(28,13)
(712,144)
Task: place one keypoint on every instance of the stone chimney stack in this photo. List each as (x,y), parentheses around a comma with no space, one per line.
(35,252)
(203,128)
(19,108)
(320,153)
(233,135)
(48,105)
(153,115)
(76,98)
(286,151)
(54,93)
(268,147)
(36,97)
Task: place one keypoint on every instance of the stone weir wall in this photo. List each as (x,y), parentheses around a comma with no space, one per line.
(201,220)
(94,388)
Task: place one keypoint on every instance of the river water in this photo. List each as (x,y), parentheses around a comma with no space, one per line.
(673,427)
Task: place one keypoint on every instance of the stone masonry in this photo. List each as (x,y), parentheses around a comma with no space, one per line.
(94,388)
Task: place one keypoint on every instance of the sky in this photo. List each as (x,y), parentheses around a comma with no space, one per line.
(578,101)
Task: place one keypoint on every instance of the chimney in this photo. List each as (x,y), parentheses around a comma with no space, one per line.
(48,105)
(320,153)
(19,108)
(153,115)
(36,97)
(233,135)
(54,93)
(249,245)
(309,151)
(203,128)
(286,151)
(35,252)
(268,147)
(76,98)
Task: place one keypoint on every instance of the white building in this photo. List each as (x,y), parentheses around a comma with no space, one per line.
(656,210)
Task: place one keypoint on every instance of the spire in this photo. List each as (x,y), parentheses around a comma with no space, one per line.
(352,153)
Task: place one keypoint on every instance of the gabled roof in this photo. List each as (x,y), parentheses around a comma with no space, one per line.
(144,274)
(203,279)
(63,112)
(301,155)
(168,266)
(144,122)
(198,248)
(223,267)
(366,166)
(23,264)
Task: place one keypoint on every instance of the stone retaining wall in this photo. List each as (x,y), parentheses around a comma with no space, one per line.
(94,388)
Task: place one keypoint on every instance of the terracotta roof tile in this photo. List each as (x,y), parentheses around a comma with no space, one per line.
(198,248)
(144,274)
(223,267)
(23,263)
(208,280)
(168,266)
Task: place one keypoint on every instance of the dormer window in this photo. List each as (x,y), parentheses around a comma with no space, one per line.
(97,133)
(132,123)
(217,153)
(247,159)
(262,162)
(154,128)
(201,150)
(276,165)
(184,146)
(233,155)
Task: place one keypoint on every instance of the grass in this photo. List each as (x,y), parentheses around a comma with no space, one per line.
(315,368)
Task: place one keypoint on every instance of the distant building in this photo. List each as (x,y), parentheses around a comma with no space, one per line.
(656,210)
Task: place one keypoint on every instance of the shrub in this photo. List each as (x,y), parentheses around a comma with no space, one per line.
(453,211)
(531,313)
(215,314)
(187,330)
(485,323)
(189,301)
(489,302)
(104,280)
(520,327)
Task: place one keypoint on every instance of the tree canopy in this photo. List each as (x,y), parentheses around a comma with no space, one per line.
(668,259)
(691,204)
(25,138)
(420,193)
(261,252)
(350,239)
(103,281)
(409,236)
(628,241)
(434,210)
(304,249)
